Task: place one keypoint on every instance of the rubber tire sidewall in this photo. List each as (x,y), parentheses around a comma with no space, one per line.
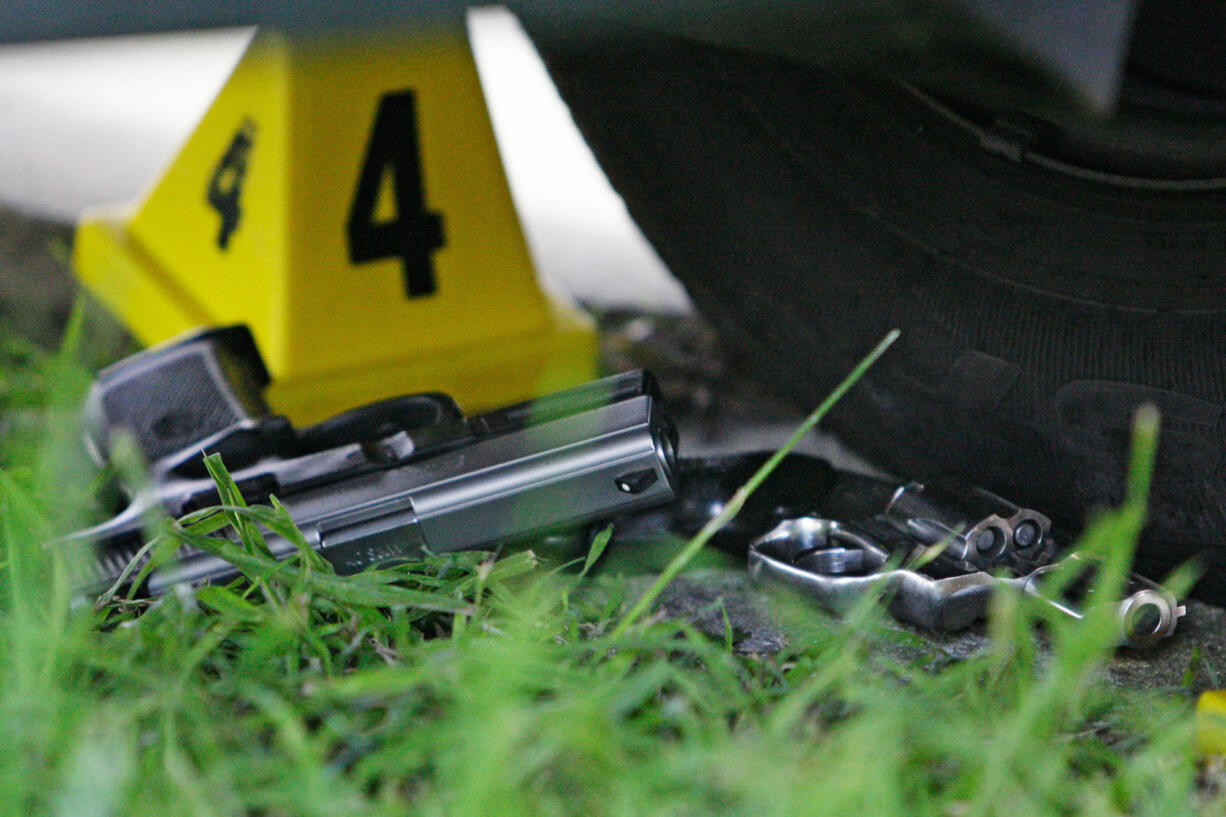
(808,213)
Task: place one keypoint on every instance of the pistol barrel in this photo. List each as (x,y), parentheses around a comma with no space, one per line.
(518,473)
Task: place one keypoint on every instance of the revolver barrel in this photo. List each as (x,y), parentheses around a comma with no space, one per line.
(1147,613)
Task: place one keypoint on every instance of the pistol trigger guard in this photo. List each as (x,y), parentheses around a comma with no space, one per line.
(408,413)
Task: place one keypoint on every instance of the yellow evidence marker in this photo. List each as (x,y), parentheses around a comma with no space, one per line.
(1211,722)
(345,199)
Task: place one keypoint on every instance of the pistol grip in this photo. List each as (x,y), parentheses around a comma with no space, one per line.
(173,396)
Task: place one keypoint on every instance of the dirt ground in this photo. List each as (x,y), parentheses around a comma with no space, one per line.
(36,290)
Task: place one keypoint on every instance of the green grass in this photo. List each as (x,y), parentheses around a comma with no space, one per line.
(471,687)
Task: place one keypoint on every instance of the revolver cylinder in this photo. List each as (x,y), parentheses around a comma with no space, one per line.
(978,528)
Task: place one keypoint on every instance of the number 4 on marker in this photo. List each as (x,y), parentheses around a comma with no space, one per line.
(413,233)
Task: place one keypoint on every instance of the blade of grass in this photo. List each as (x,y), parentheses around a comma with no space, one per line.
(1080,649)
(248,533)
(598,545)
(928,554)
(358,589)
(1145,426)
(695,545)
(230,604)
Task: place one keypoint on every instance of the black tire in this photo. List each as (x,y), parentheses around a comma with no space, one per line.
(808,213)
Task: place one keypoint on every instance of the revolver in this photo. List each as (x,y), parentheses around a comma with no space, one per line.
(976,543)
(381,483)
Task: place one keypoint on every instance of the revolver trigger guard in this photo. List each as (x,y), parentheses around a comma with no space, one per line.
(800,552)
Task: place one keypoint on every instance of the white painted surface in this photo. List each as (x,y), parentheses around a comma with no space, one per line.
(577,227)
(93,121)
